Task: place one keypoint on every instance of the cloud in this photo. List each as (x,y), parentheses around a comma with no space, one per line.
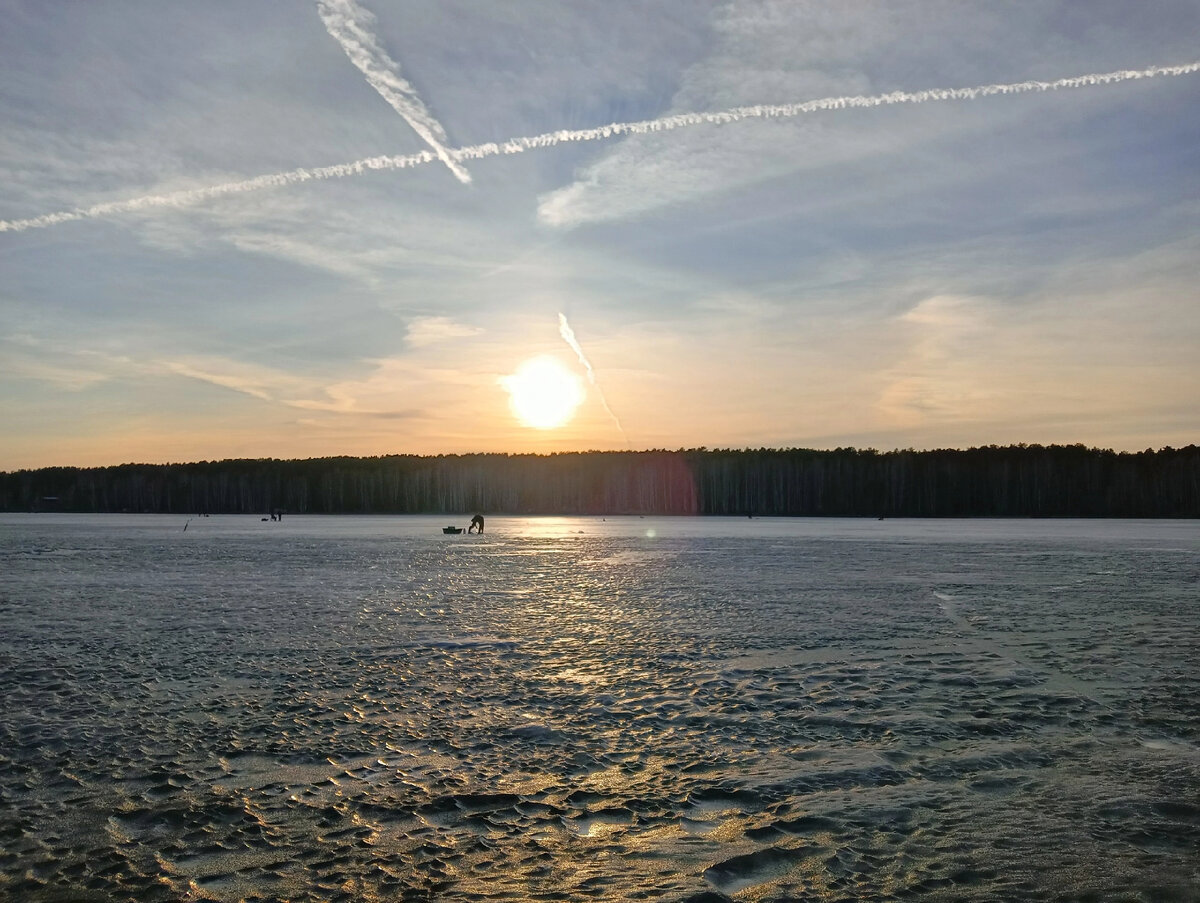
(852,52)
(950,340)
(32,358)
(423,331)
(384,392)
(228,375)
(70,378)
(1087,347)
(373,396)
(556,208)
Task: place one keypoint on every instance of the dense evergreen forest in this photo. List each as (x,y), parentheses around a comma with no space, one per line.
(1011,481)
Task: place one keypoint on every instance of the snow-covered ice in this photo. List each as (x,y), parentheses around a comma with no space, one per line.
(578,709)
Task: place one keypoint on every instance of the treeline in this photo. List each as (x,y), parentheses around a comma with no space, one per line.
(993,481)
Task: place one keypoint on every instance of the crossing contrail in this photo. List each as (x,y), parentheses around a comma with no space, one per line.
(568,334)
(615,129)
(350,25)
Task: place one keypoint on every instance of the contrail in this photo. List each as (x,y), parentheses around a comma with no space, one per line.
(188,197)
(350,25)
(550,139)
(791,110)
(568,334)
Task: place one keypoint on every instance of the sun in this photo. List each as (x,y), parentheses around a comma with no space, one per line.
(543,393)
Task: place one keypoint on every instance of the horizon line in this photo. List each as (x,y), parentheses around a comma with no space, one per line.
(697,449)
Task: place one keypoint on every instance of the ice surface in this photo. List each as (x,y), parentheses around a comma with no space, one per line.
(579,709)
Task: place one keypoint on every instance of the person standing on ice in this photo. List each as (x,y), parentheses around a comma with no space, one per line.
(476,521)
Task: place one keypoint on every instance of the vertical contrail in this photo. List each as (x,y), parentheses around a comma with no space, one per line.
(350,25)
(568,334)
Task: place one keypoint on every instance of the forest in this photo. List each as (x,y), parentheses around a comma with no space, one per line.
(991,481)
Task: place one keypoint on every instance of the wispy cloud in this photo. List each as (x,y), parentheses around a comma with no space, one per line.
(81,368)
(29,357)
(68,377)
(424,331)
(520,145)
(952,339)
(372,396)
(386,391)
(251,384)
(350,25)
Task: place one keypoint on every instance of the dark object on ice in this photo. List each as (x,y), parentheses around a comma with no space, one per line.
(451,529)
(476,521)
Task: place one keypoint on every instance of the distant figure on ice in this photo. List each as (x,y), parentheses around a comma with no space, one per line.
(476,521)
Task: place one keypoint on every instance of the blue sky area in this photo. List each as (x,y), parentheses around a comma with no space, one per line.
(1013,268)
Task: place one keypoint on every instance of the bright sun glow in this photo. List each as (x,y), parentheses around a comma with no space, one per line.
(543,393)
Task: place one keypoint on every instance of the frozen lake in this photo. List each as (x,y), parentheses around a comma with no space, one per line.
(360,708)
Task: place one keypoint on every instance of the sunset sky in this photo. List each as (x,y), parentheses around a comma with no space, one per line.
(1016,267)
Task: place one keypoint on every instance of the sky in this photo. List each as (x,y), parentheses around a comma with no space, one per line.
(939,271)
